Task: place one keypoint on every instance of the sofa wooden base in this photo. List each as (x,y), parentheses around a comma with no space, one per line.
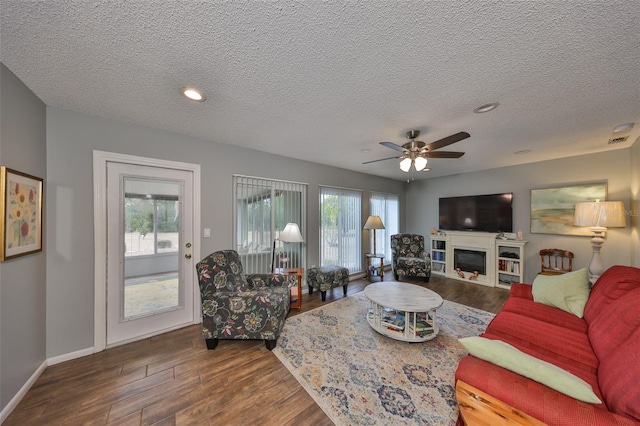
(479,409)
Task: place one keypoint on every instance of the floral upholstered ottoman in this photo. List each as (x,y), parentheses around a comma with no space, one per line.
(327,277)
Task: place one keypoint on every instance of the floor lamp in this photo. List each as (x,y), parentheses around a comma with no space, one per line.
(599,216)
(290,234)
(373,223)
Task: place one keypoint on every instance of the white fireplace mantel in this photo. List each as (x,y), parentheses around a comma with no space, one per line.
(474,241)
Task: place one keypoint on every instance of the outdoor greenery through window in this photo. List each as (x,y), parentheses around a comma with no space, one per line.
(151,224)
(387,206)
(263,207)
(341,228)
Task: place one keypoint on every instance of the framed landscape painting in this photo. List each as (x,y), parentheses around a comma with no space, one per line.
(20,213)
(552,208)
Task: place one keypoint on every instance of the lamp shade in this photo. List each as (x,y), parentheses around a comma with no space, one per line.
(291,234)
(373,222)
(607,214)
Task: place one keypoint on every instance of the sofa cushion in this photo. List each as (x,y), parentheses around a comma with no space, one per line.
(540,337)
(616,322)
(614,283)
(533,398)
(506,356)
(521,290)
(568,292)
(619,375)
(544,313)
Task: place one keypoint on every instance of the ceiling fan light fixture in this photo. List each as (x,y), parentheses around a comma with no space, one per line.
(420,163)
(405,164)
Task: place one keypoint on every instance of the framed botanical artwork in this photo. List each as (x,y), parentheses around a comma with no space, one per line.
(20,213)
(552,208)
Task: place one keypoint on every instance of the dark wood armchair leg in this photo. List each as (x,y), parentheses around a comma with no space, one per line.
(270,344)
(310,290)
(344,289)
(211,343)
(324,295)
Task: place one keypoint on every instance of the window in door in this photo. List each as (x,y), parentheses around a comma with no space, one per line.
(387,206)
(263,207)
(341,228)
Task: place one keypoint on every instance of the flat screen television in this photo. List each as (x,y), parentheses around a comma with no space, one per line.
(480,213)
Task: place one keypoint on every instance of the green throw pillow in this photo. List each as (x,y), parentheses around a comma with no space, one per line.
(506,356)
(568,292)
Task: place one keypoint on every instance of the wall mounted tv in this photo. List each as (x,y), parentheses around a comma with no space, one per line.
(480,213)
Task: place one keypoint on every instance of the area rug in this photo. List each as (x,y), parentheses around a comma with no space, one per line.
(359,377)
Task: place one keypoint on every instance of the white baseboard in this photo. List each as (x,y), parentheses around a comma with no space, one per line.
(21,393)
(25,388)
(68,357)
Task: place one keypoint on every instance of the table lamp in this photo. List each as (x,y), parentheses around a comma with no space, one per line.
(599,216)
(290,234)
(373,222)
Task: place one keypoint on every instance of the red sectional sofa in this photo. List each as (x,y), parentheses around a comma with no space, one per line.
(602,348)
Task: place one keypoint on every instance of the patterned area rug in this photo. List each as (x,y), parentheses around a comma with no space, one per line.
(360,377)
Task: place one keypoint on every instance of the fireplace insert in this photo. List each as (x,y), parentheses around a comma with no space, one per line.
(470,260)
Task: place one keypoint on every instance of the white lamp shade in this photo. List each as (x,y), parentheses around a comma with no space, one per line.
(607,214)
(291,234)
(373,222)
(405,164)
(420,163)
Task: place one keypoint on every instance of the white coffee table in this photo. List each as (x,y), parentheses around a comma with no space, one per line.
(408,301)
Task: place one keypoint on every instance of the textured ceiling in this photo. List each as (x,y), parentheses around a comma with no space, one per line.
(323,81)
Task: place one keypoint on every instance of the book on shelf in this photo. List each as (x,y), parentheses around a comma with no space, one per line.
(395,320)
(421,326)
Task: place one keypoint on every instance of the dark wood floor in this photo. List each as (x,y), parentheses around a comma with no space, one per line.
(172,379)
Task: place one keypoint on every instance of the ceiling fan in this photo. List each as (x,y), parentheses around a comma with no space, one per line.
(416,152)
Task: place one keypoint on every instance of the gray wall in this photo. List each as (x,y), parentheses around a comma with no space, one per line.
(613,167)
(23,279)
(71,139)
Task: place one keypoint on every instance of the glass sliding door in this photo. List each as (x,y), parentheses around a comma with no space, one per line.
(387,206)
(262,209)
(341,228)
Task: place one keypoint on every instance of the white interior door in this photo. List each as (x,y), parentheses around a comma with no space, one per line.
(150,267)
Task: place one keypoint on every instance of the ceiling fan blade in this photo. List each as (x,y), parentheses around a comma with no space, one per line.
(382,159)
(447,141)
(443,154)
(393,146)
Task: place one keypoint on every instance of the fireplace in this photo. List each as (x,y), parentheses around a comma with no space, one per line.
(470,260)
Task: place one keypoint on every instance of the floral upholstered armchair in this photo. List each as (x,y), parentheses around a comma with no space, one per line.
(235,306)
(409,257)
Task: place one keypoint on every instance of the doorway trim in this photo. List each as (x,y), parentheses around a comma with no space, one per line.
(100,160)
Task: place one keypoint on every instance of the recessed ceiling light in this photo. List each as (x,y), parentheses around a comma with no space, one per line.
(486,107)
(192,94)
(522,151)
(366,150)
(623,127)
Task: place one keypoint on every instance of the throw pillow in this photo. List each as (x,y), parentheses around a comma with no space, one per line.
(568,292)
(506,356)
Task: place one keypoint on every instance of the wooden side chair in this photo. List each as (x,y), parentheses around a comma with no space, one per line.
(555,261)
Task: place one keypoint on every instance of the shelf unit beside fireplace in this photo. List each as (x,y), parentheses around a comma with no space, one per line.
(438,254)
(510,262)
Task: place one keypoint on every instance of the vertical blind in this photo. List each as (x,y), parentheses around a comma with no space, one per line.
(262,208)
(341,228)
(387,206)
